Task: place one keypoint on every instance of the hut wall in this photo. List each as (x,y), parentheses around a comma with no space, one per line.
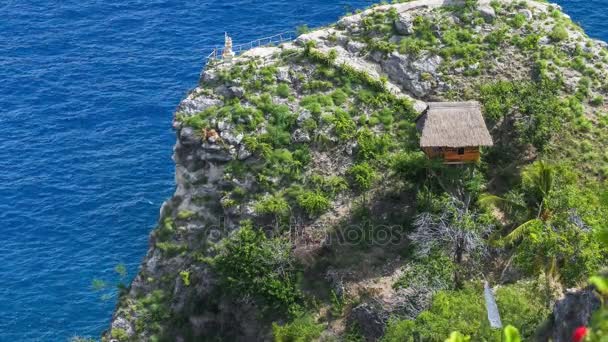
(450,155)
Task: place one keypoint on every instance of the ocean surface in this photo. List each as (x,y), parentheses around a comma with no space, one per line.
(87,90)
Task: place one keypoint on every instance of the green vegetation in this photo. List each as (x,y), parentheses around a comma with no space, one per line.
(301,329)
(558,33)
(362,175)
(464,311)
(253,265)
(313,202)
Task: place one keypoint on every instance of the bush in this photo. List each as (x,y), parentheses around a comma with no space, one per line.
(302,29)
(313,202)
(558,33)
(362,176)
(409,165)
(339,97)
(331,185)
(371,146)
(185,214)
(283,90)
(301,329)
(518,20)
(344,126)
(597,101)
(412,46)
(464,310)
(434,272)
(538,102)
(272,205)
(251,265)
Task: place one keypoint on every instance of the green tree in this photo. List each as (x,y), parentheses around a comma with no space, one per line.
(549,234)
(540,179)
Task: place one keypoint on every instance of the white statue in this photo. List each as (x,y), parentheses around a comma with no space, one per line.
(228,53)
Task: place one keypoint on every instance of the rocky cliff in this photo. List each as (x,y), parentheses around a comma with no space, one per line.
(314,143)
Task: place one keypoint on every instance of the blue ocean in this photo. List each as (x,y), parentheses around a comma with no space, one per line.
(87,91)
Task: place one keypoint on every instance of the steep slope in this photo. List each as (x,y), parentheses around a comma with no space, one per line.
(314,144)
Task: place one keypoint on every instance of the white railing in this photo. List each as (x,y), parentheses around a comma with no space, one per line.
(215,57)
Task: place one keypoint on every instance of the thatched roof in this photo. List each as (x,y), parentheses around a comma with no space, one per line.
(453,124)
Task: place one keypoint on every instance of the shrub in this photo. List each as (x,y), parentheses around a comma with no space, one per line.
(343,125)
(283,90)
(339,97)
(152,312)
(185,275)
(371,146)
(313,202)
(529,42)
(302,329)
(433,272)
(119,334)
(423,29)
(412,46)
(558,33)
(408,165)
(518,20)
(537,101)
(362,176)
(597,100)
(330,185)
(272,205)
(464,310)
(302,29)
(251,265)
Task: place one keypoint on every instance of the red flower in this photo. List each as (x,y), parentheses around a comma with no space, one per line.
(579,334)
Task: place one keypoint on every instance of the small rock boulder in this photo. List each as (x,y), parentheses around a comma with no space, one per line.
(354,46)
(303,116)
(237,92)
(188,137)
(283,75)
(487,13)
(526,13)
(243,153)
(404,24)
(195,104)
(231,138)
(300,136)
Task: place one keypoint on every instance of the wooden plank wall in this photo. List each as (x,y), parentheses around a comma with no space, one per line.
(450,155)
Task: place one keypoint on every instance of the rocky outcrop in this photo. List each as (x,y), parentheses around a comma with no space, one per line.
(572,311)
(415,74)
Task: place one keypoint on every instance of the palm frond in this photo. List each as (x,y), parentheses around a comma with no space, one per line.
(520,231)
(501,202)
(541,175)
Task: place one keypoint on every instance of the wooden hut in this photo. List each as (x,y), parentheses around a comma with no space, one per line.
(453,131)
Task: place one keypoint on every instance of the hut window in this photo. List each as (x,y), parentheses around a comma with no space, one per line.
(461,151)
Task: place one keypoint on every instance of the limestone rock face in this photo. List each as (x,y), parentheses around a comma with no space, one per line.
(413,74)
(195,103)
(526,13)
(404,24)
(188,136)
(487,12)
